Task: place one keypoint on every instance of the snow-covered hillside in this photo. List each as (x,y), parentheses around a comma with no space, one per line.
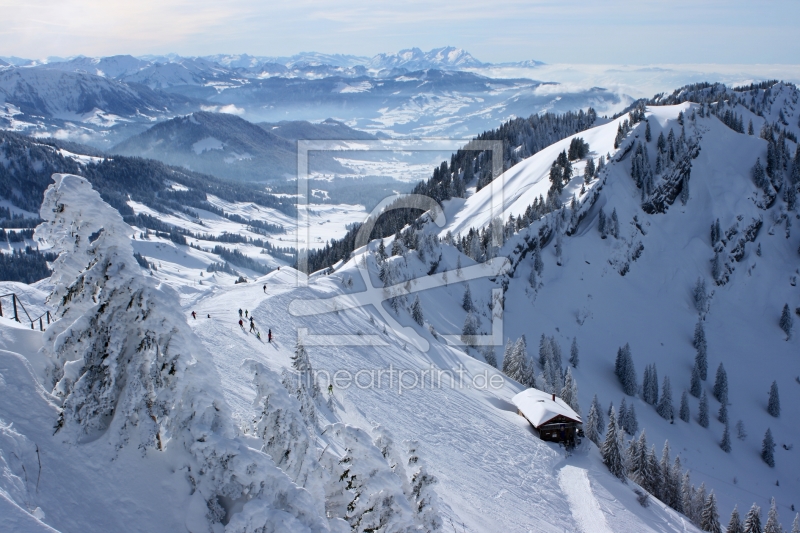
(617,266)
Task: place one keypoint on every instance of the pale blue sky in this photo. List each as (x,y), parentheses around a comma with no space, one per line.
(568,31)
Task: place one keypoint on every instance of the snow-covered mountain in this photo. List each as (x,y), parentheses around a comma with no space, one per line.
(446,58)
(227,146)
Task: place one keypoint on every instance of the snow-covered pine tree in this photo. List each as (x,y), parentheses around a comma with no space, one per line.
(759,176)
(527,372)
(573,353)
(665,408)
(647,135)
(722,415)
(687,496)
(786,321)
(631,423)
(735,523)
(768,449)
(397,244)
(752,520)
(774,403)
(696,386)
(416,311)
(538,263)
(614,231)
(796,524)
(592,427)
(466,301)
(381,252)
(650,385)
(602,224)
(637,460)
(656,476)
(709,520)
(677,475)
(726,439)
(425,500)
(684,413)
(622,414)
(699,503)
(670,487)
(469,333)
(569,393)
(610,450)
(699,342)
(625,371)
(588,170)
(700,296)
(721,385)
(773,525)
(508,361)
(741,433)
(702,417)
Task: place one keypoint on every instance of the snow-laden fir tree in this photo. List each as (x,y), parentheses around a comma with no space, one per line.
(588,170)
(741,433)
(647,135)
(773,525)
(687,496)
(614,222)
(592,427)
(573,353)
(677,476)
(768,449)
(726,439)
(466,301)
(735,523)
(796,524)
(657,482)
(602,224)
(631,423)
(699,503)
(786,321)
(425,500)
(611,451)
(700,296)
(709,520)
(521,354)
(622,413)
(558,367)
(721,385)
(569,393)
(702,416)
(469,333)
(684,413)
(752,520)
(508,361)
(722,415)
(538,263)
(397,244)
(625,371)
(650,385)
(381,252)
(699,342)
(665,403)
(774,403)
(670,486)
(696,387)
(416,311)
(637,461)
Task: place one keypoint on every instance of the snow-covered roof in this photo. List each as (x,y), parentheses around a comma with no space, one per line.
(539,407)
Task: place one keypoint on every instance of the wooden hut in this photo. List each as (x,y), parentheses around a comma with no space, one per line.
(550,416)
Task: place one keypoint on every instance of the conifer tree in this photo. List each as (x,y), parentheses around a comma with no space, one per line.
(625,371)
(752,520)
(768,449)
(696,387)
(573,353)
(722,415)
(416,311)
(538,264)
(637,461)
(741,433)
(622,413)
(592,429)
(726,439)
(602,224)
(657,479)
(773,525)
(735,523)
(686,495)
(614,224)
(721,385)
(631,424)
(677,474)
(786,321)
(665,403)
(647,135)
(699,503)
(709,521)
(774,404)
(669,486)
(610,450)
(470,331)
(700,296)
(796,524)
(569,393)
(702,417)
(684,410)
(381,252)
(466,301)
(699,342)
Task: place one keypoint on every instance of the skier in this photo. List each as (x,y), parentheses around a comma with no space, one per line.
(252,325)
(330,389)
(194,315)
(241,324)
(258,335)
(245,313)
(269,335)
(240,313)
(265,289)
(209,315)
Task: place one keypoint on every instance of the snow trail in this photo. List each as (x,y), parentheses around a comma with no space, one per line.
(574,482)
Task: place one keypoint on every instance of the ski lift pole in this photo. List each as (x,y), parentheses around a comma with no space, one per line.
(14,302)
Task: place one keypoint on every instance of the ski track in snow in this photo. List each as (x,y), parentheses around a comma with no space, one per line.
(574,482)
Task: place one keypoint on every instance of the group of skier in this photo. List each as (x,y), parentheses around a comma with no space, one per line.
(253,329)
